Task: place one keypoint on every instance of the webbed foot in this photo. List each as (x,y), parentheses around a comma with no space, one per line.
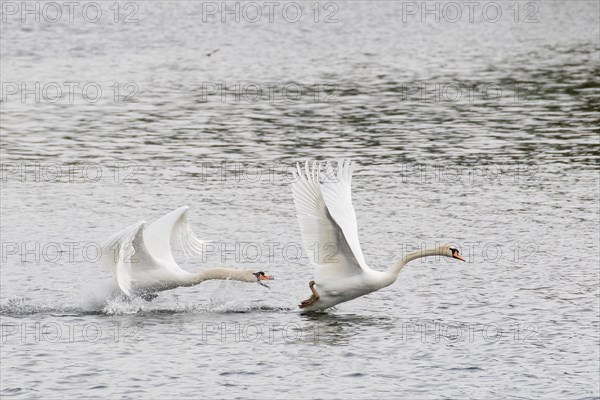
(312,299)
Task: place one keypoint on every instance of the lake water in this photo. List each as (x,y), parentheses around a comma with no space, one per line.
(476,126)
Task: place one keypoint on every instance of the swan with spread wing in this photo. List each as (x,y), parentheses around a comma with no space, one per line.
(327,218)
(142,262)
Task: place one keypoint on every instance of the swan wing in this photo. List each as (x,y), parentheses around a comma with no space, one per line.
(337,192)
(172,228)
(319,229)
(142,253)
(118,252)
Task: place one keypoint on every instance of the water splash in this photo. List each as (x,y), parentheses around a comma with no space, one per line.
(227,299)
(123,306)
(19,306)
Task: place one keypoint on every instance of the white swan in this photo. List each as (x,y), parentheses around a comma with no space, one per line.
(141,259)
(327,220)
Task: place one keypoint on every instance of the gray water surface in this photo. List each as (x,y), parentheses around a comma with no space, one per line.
(507,169)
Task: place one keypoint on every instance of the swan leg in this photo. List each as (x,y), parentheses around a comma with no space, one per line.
(312,299)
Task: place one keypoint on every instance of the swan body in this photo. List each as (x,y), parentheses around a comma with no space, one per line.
(141,259)
(327,218)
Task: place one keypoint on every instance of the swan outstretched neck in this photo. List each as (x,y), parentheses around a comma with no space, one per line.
(326,216)
(224,274)
(142,261)
(444,251)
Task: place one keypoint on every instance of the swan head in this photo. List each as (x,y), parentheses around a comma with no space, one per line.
(452,252)
(261,276)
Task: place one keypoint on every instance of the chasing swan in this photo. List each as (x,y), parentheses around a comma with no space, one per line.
(141,259)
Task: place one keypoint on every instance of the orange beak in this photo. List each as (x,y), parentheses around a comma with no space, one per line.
(456,254)
(265,278)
